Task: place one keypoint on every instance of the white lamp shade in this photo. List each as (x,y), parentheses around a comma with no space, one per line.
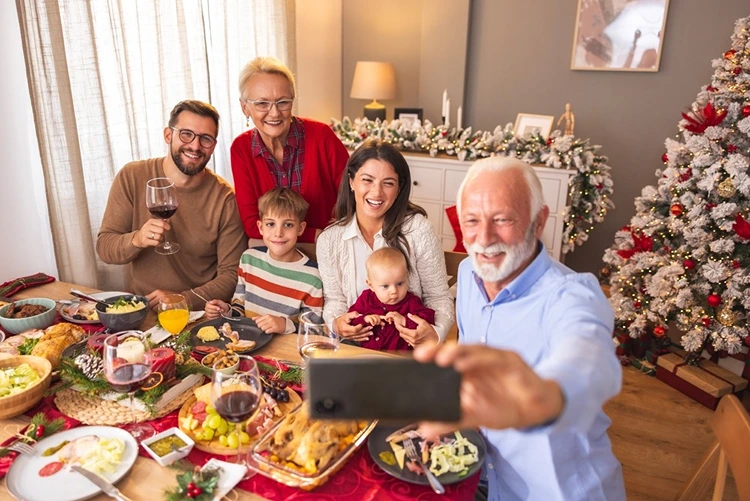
(374,80)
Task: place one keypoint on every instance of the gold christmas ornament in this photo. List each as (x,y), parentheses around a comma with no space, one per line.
(727,316)
(726,188)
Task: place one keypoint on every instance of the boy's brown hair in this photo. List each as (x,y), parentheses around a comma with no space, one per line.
(282,201)
(386,257)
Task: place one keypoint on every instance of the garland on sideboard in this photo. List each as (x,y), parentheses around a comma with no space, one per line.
(590,189)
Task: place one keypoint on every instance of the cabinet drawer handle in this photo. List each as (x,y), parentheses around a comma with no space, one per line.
(415,183)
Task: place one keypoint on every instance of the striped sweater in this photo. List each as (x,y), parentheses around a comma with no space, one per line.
(269,287)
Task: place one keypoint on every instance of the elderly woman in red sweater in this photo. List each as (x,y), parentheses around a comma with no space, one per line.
(283,150)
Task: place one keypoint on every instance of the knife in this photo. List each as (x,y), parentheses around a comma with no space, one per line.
(109,489)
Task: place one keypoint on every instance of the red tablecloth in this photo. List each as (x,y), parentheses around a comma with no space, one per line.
(360,478)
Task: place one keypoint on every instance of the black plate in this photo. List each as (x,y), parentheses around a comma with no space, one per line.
(376,444)
(246,328)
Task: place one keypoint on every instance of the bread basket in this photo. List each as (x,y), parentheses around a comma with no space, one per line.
(13,405)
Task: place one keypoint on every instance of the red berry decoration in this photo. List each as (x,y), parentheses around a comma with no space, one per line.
(676,210)
(731,148)
(711,88)
(736,264)
(198,491)
(746,111)
(659,331)
(688,264)
(636,304)
(729,54)
(39,431)
(665,158)
(706,321)
(714,300)
(737,70)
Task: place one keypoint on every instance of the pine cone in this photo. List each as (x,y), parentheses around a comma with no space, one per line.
(90,365)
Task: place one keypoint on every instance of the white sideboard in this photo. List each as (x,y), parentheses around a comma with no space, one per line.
(435,182)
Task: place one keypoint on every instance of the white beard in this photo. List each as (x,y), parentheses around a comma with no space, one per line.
(515,255)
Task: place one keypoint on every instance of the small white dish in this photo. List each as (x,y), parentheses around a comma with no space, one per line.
(173,456)
(230,475)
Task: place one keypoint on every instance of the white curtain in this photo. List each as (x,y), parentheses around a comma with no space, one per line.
(103,76)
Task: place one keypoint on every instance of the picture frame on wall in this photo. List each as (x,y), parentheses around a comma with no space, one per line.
(528,124)
(408,115)
(619,35)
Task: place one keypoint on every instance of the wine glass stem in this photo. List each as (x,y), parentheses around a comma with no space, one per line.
(239,443)
(134,429)
(167,245)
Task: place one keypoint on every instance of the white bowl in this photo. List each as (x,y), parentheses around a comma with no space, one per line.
(173,456)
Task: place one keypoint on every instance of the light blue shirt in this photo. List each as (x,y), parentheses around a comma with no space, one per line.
(561,324)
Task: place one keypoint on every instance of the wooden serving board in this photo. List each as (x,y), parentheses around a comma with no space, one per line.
(214,446)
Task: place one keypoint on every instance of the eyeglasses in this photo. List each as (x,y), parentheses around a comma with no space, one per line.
(263,105)
(187,136)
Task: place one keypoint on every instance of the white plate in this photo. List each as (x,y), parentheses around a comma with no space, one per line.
(23,480)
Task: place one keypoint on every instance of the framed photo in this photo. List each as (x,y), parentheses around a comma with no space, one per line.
(619,35)
(527,125)
(408,115)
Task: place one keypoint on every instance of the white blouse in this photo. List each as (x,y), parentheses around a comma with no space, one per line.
(341,262)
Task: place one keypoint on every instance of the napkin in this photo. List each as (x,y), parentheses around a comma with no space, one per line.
(229,476)
(158,334)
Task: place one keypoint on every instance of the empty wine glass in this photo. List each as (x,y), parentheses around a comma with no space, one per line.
(161,200)
(173,313)
(236,397)
(127,367)
(314,337)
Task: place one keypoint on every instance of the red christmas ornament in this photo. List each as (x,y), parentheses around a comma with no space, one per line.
(729,54)
(731,148)
(736,264)
(737,70)
(549,141)
(746,111)
(688,264)
(711,88)
(686,175)
(710,206)
(676,210)
(714,300)
(699,121)
(444,133)
(637,305)
(659,331)
(706,321)
(741,227)
(665,158)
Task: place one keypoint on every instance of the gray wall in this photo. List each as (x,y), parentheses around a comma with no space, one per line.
(519,61)
(424,39)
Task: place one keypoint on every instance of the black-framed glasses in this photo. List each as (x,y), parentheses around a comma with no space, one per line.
(263,105)
(187,136)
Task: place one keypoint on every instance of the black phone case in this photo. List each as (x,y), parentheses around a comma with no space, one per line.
(395,390)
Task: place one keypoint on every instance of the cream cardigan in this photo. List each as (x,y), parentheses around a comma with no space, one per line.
(427,279)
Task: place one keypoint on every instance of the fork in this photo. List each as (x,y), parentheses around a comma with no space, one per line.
(225,317)
(411,452)
(22,448)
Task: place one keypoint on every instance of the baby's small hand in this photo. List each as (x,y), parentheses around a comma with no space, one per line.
(396,318)
(373,320)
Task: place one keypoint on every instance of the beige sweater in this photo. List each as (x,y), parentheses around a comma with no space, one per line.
(206,225)
(427,279)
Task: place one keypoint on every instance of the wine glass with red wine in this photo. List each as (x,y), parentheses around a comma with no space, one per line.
(127,367)
(237,397)
(161,200)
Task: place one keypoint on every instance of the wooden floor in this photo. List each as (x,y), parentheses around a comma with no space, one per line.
(659,435)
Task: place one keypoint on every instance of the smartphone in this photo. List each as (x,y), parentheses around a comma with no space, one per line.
(391,389)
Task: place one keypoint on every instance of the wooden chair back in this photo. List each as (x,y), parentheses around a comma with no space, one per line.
(308,250)
(452,260)
(731,423)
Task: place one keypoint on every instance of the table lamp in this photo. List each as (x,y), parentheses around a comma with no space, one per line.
(374,80)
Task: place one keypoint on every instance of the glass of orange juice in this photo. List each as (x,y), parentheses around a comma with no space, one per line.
(173,313)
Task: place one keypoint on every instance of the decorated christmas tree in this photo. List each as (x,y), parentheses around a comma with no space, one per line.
(683,262)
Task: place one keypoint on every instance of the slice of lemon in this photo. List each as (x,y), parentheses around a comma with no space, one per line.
(153,381)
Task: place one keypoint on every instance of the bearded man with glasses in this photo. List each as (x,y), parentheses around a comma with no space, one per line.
(283,150)
(206,223)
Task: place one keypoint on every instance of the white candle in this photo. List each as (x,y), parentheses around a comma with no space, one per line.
(445,98)
(459,116)
(447,112)
(132,351)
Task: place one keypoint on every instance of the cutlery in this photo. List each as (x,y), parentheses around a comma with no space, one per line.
(22,448)
(108,489)
(411,452)
(231,319)
(82,295)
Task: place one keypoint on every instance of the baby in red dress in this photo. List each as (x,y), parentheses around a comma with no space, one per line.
(388,301)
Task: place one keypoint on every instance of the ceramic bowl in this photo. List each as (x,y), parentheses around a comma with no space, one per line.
(41,321)
(174,455)
(117,322)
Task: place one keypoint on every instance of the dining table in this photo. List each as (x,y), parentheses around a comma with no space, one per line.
(360,478)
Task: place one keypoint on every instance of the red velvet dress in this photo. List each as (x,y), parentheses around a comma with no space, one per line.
(386,337)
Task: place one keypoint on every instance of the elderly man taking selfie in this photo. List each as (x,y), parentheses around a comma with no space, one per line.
(535,349)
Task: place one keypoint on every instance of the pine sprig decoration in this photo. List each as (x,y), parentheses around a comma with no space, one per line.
(591,186)
(294,374)
(193,483)
(39,428)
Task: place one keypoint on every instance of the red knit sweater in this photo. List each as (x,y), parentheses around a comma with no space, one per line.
(324,164)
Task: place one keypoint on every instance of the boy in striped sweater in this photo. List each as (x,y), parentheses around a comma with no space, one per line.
(276,283)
